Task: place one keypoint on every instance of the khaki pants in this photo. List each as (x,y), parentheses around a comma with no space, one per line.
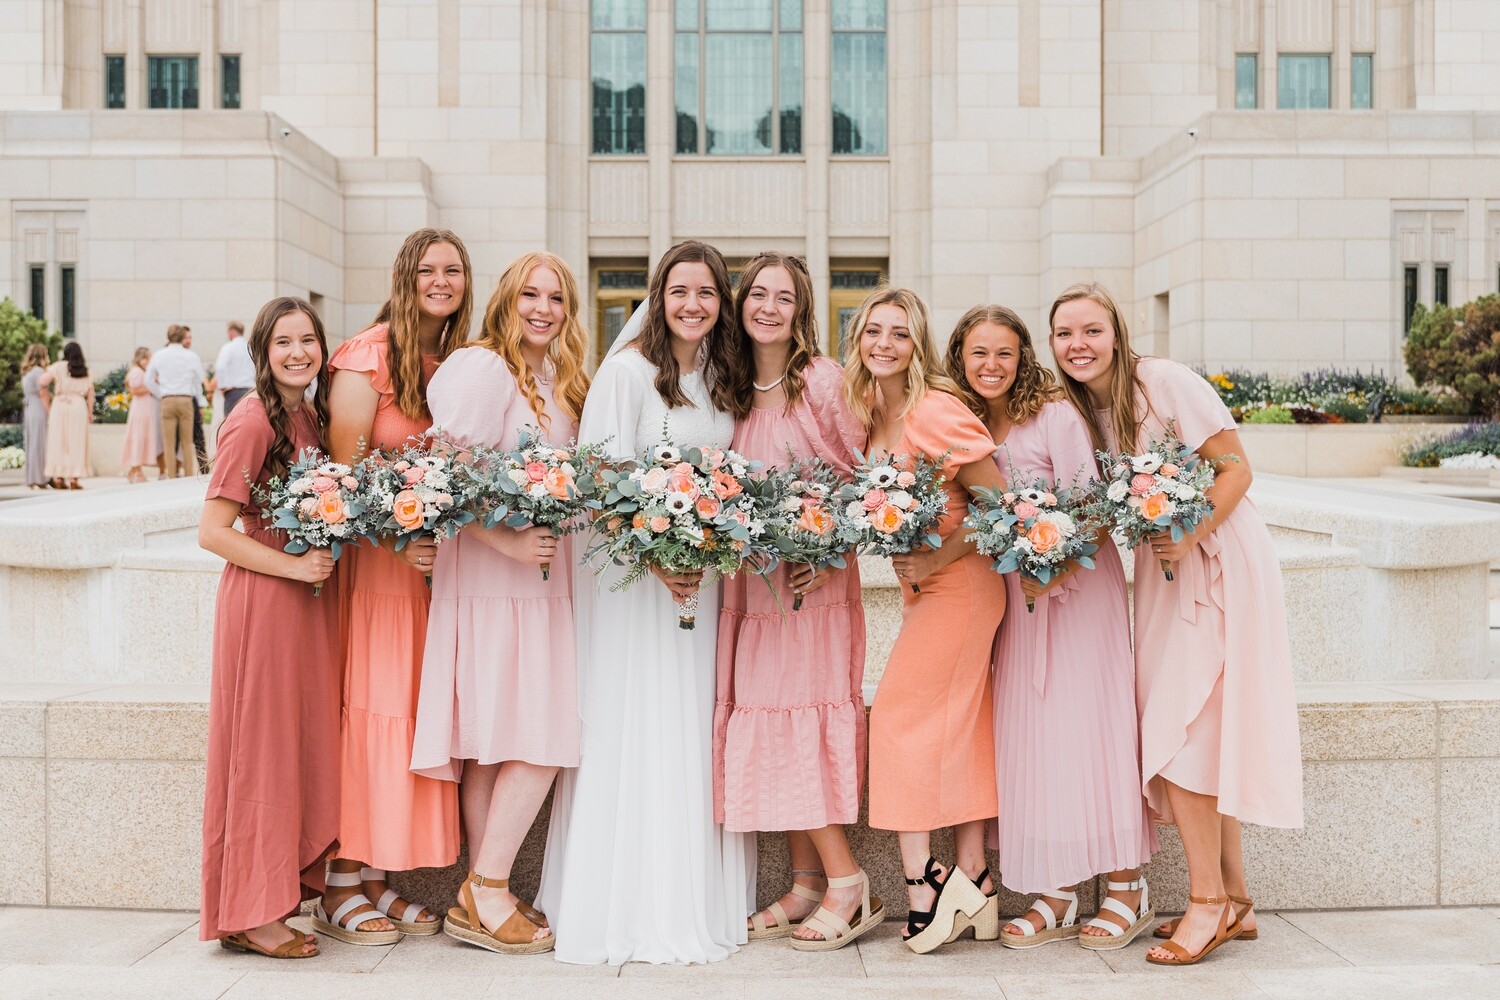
(177,426)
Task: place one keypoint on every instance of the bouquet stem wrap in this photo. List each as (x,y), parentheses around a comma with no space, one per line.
(687,612)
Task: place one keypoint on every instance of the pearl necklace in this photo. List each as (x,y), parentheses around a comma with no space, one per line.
(768,388)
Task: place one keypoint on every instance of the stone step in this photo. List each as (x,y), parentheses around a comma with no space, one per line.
(106,781)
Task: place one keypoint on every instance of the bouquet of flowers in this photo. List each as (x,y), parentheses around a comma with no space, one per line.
(413,492)
(804,524)
(1034,527)
(1164,488)
(536,484)
(892,505)
(320,504)
(682,509)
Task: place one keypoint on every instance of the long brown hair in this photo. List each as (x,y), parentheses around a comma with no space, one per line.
(804,332)
(1034,387)
(655,342)
(283,452)
(73,355)
(503,329)
(924,374)
(36,357)
(1125,383)
(402,316)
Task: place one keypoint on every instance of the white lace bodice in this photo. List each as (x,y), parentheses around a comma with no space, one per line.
(623,405)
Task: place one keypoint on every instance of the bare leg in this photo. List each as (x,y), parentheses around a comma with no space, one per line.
(1232,865)
(1129,898)
(519,791)
(916,848)
(968,841)
(1200,825)
(833,848)
(335,895)
(475,790)
(804,859)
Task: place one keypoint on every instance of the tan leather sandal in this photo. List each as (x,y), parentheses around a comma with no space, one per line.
(1229,929)
(836,931)
(287,949)
(1242,905)
(517,936)
(784,925)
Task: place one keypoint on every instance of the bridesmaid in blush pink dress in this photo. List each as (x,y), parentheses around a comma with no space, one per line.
(1065,726)
(1219,742)
(789,722)
(499,702)
(143,422)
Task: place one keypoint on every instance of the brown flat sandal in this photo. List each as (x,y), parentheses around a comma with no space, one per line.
(514,937)
(1242,905)
(287,949)
(1228,931)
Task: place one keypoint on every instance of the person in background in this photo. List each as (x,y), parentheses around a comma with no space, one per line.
(234,373)
(69,417)
(38,402)
(200,403)
(143,425)
(175,377)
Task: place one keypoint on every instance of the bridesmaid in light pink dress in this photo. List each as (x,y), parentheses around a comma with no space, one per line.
(498,708)
(1219,743)
(789,722)
(142,424)
(1066,750)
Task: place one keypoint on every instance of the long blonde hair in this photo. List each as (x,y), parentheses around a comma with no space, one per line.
(402,316)
(141,354)
(924,374)
(503,329)
(1034,387)
(36,357)
(1124,382)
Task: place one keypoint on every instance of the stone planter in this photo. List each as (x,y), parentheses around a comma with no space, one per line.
(1325,450)
(107,440)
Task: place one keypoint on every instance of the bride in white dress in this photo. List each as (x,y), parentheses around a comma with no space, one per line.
(636,869)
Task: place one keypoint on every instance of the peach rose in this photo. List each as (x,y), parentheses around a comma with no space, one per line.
(874,499)
(536,471)
(816,521)
(350,483)
(682,469)
(660,524)
(402,465)
(906,479)
(413,476)
(725,485)
(331,509)
(1044,536)
(887,519)
(1155,505)
(324,484)
(683,484)
(407,510)
(558,483)
(740,517)
(1169,470)
(309,506)
(1025,510)
(1142,483)
(709,507)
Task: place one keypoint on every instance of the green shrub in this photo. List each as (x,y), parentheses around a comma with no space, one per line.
(111,400)
(1348,409)
(1270,415)
(18,331)
(1459,348)
(11,436)
(1427,454)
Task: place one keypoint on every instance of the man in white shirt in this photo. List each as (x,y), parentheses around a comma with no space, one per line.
(234,372)
(175,376)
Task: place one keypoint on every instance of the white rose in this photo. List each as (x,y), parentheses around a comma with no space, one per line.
(437,480)
(1117,491)
(737,469)
(1061,521)
(536,491)
(1148,463)
(1185,492)
(569,469)
(900,499)
(791,505)
(855,512)
(303,485)
(517,476)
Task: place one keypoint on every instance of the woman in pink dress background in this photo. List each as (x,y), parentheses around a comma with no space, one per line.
(142,445)
(499,699)
(1219,744)
(68,419)
(1065,725)
(789,723)
(270,809)
(389,818)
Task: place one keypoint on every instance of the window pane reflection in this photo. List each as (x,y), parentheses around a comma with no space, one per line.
(618,64)
(859,93)
(1302,82)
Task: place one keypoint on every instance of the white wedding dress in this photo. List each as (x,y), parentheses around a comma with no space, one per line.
(636,869)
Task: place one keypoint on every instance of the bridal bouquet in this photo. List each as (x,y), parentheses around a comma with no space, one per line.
(415,491)
(804,526)
(320,504)
(536,484)
(1164,488)
(682,509)
(1034,527)
(892,505)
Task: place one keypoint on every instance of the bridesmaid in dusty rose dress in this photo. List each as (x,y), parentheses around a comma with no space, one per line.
(789,723)
(1065,726)
(499,696)
(270,809)
(143,423)
(1218,712)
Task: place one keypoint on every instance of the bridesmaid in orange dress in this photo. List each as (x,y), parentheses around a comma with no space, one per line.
(270,805)
(1219,742)
(932,741)
(391,819)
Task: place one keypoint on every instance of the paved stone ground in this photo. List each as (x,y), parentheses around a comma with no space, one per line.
(1369,955)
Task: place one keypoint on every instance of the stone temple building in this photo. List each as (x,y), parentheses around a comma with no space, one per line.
(1271,183)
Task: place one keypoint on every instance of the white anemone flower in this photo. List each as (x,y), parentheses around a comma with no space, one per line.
(666,454)
(883,476)
(679,503)
(1147,463)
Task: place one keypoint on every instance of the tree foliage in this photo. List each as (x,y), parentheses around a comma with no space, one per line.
(18,331)
(1459,347)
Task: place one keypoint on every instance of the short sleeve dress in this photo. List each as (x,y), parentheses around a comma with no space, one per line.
(932,737)
(271,800)
(499,678)
(1213,665)
(68,423)
(1066,750)
(789,725)
(391,818)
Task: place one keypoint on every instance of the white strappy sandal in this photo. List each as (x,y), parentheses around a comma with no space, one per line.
(1119,936)
(784,925)
(349,933)
(1051,930)
(837,931)
(391,897)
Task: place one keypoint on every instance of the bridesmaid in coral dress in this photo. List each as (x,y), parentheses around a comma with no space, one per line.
(1066,749)
(270,805)
(1218,712)
(499,700)
(789,723)
(932,740)
(389,818)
